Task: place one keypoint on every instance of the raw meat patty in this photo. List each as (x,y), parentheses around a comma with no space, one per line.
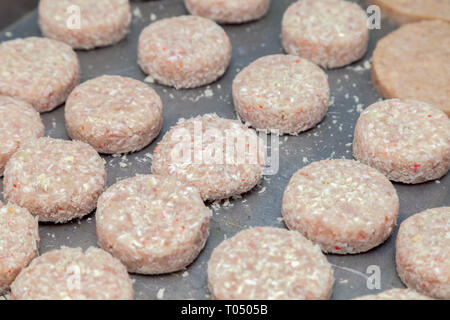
(220,157)
(184,52)
(229,11)
(153,224)
(19,239)
(413,62)
(101,22)
(396,294)
(406,140)
(281,93)
(407,11)
(342,205)
(114,114)
(19,122)
(56,180)
(423,252)
(266,263)
(330,33)
(71,274)
(39,71)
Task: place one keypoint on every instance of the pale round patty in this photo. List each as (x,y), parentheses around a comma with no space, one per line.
(101,22)
(184,52)
(71,274)
(19,239)
(229,11)
(220,157)
(406,140)
(396,294)
(56,180)
(281,93)
(423,252)
(266,263)
(39,71)
(153,224)
(407,11)
(342,205)
(19,123)
(114,114)
(330,33)
(413,62)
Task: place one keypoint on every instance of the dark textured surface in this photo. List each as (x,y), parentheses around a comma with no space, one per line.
(350,87)
(10,12)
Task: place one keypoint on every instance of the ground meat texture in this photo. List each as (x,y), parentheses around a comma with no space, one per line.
(39,71)
(184,52)
(265,263)
(19,123)
(71,274)
(102,22)
(423,252)
(220,157)
(396,294)
(229,11)
(56,180)
(330,33)
(153,224)
(407,11)
(281,93)
(404,60)
(19,239)
(406,140)
(114,114)
(342,205)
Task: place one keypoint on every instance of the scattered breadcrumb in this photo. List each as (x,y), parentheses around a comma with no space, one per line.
(123,164)
(137,12)
(160,294)
(149,79)
(209,93)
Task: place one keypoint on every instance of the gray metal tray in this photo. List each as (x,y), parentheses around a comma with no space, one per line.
(351,89)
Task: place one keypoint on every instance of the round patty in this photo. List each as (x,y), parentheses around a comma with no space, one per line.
(101,22)
(39,71)
(423,252)
(19,123)
(107,113)
(407,11)
(266,263)
(330,33)
(281,93)
(413,63)
(153,224)
(406,140)
(220,157)
(342,205)
(71,274)
(184,52)
(19,239)
(229,11)
(56,180)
